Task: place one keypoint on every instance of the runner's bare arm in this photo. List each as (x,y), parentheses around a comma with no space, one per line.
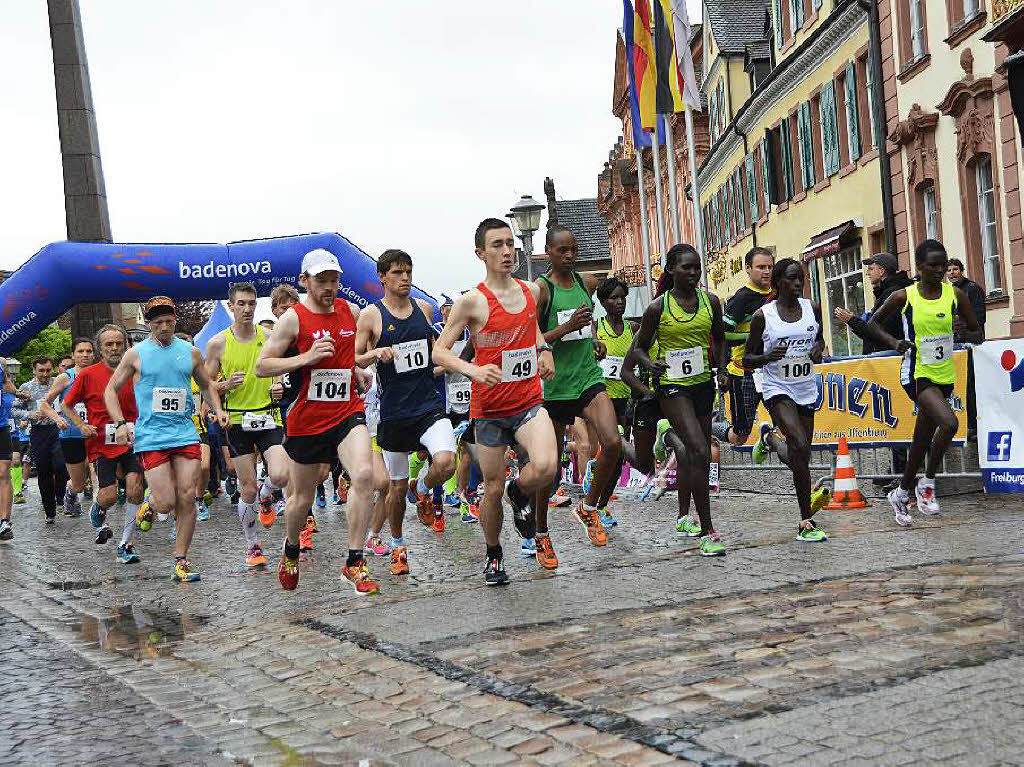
(208,388)
(974,334)
(545,359)
(45,406)
(214,352)
(753,355)
(469,311)
(368,330)
(818,350)
(719,348)
(579,319)
(122,376)
(272,362)
(645,337)
(628,373)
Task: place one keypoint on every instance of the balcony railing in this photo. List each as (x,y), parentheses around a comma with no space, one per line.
(1002,8)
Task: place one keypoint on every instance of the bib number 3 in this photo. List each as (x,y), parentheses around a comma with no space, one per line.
(330,385)
(518,364)
(936,349)
(168,400)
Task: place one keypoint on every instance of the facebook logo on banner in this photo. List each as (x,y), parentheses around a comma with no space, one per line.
(999,445)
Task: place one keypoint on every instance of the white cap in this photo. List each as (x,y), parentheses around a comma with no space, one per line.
(320,260)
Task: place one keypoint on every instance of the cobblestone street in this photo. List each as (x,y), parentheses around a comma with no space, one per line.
(882,646)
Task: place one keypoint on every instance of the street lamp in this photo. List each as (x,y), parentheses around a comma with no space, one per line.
(12,366)
(526,218)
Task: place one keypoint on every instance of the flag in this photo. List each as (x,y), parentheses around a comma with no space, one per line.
(668,97)
(640,138)
(684,60)
(219,320)
(644,70)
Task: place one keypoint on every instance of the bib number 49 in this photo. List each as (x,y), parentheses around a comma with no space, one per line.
(518,364)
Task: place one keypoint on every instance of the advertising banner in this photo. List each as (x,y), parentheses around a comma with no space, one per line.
(999,380)
(862,399)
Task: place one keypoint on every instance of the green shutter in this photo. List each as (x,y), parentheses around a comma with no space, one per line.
(806,138)
(727,205)
(779,32)
(786,158)
(829,130)
(737,185)
(852,115)
(796,14)
(755,208)
(766,173)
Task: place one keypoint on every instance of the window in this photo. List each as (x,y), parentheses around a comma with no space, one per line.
(829,130)
(796,13)
(766,174)
(917,39)
(786,159)
(755,208)
(738,197)
(852,117)
(987,224)
(931,219)
(869,84)
(844,283)
(777,21)
(805,140)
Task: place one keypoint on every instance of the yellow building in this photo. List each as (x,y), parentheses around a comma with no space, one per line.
(793,164)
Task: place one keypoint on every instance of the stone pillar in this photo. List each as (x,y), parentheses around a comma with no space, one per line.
(85,197)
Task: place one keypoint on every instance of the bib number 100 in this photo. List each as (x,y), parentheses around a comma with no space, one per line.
(794,370)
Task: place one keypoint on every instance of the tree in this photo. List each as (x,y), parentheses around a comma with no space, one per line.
(51,342)
(192,315)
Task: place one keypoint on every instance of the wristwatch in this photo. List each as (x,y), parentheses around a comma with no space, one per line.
(544,347)
(119,424)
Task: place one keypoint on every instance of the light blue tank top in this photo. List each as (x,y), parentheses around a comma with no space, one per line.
(72,431)
(163,395)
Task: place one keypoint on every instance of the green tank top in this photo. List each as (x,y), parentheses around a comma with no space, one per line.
(253,396)
(684,340)
(576,370)
(929,325)
(617,346)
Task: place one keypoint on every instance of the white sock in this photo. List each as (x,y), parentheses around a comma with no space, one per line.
(247,516)
(267,490)
(129,523)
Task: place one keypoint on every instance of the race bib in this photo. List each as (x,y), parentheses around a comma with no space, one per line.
(576,335)
(685,363)
(796,368)
(258,422)
(612,367)
(759,380)
(935,349)
(108,434)
(411,355)
(329,385)
(80,410)
(459,392)
(168,400)
(518,364)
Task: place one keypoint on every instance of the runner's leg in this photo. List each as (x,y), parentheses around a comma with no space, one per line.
(692,476)
(183,476)
(357,457)
(924,434)
(793,447)
(245,468)
(600,414)
(492,465)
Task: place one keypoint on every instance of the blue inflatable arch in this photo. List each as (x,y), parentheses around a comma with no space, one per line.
(67,273)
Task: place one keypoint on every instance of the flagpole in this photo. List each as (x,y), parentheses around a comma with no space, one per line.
(645,242)
(698,219)
(659,217)
(675,222)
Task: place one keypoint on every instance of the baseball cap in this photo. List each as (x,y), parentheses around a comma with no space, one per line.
(885,260)
(320,260)
(158,305)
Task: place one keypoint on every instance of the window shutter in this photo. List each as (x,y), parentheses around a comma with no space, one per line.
(796,14)
(737,183)
(779,32)
(829,130)
(807,145)
(852,115)
(755,211)
(787,186)
(766,173)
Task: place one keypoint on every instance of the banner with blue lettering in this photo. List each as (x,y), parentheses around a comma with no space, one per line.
(999,380)
(67,273)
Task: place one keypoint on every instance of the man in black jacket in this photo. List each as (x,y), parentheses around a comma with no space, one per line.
(975,294)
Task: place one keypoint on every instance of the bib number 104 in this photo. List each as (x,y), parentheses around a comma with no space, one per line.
(329,385)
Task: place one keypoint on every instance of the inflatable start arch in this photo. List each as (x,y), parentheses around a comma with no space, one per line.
(67,273)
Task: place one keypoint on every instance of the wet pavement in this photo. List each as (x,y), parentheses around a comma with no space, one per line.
(882,646)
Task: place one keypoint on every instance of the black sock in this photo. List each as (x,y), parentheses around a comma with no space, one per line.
(494,552)
(291,550)
(515,492)
(355,556)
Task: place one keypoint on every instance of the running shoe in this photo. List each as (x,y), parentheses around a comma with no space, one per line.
(494,573)
(202,511)
(711,546)
(560,498)
(812,534)
(687,527)
(6,533)
(400,561)
(231,485)
(336,499)
(70,501)
(376,547)
(51,518)
(126,555)
(926,501)
(546,556)
(660,451)
(820,499)
(606,518)
(588,475)
(654,489)
(522,516)
(144,517)
(761,447)
(466,513)
(359,576)
(279,508)
(305,540)
(899,498)
(184,572)
(342,493)
(288,572)
(438,518)
(425,510)
(410,494)
(452,500)
(592,524)
(254,557)
(528,549)
(267,512)
(97,515)
(321,497)
(19,498)
(103,535)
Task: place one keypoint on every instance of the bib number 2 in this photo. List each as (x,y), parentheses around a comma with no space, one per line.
(518,364)
(330,385)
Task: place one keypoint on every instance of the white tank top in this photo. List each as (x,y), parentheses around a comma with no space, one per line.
(793,375)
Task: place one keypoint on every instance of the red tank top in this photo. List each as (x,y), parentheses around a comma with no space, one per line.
(510,342)
(325,396)
(87,389)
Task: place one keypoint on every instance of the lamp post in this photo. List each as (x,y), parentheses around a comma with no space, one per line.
(12,366)
(525,215)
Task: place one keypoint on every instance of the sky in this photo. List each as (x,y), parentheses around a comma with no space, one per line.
(398,124)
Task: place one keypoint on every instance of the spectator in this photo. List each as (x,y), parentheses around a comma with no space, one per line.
(974,291)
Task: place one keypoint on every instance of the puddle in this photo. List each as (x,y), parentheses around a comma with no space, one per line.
(136,632)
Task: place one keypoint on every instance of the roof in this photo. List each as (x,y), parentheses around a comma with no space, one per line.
(758,50)
(734,23)
(589,226)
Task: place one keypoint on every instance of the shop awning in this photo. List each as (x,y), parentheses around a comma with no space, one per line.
(827,242)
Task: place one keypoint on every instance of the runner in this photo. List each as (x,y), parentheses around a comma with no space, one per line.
(744,394)
(83,405)
(686,322)
(455,390)
(785,341)
(396,334)
(577,390)
(381,481)
(255,417)
(51,475)
(617,336)
(72,444)
(927,372)
(326,419)
(199,412)
(507,400)
(20,453)
(164,438)
(8,395)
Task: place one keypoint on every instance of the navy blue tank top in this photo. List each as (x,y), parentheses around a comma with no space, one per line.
(407,386)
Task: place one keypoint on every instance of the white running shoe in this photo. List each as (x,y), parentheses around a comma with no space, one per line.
(899,498)
(926,501)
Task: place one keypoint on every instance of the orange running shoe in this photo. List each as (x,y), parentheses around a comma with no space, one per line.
(400,561)
(254,557)
(343,492)
(288,573)
(311,523)
(305,539)
(425,509)
(590,520)
(546,556)
(267,513)
(439,519)
(359,576)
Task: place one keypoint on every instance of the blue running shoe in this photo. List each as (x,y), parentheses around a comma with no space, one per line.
(452,501)
(410,495)
(529,548)
(607,520)
(97,515)
(336,499)
(588,476)
(202,512)
(126,555)
(466,512)
(321,498)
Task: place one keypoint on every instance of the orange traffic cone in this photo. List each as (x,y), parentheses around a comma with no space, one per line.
(845,493)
